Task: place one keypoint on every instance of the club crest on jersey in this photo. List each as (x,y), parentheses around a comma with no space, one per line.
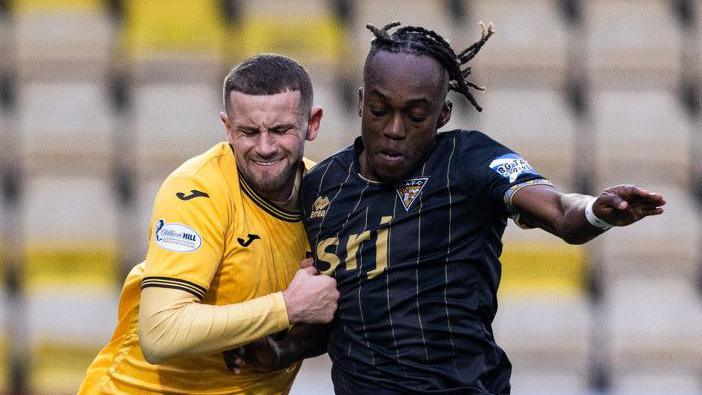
(408,190)
(176,237)
(319,207)
(511,166)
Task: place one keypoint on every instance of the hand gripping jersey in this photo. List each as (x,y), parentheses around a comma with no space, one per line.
(213,236)
(417,266)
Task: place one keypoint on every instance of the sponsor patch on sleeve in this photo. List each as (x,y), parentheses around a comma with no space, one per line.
(176,237)
(511,166)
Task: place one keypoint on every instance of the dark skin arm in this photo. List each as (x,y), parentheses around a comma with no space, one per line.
(273,353)
(276,352)
(564,214)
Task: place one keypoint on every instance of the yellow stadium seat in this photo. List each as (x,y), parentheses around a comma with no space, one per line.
(59,368)
(158,29)
(28,6)
(307,31)
(79,265)
(66,328)
(69,241)
(311,41)
(542,268)
(544,317)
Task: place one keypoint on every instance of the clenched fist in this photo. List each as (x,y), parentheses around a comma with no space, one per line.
(311,297)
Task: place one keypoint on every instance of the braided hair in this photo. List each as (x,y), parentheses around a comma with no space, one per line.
(420,41)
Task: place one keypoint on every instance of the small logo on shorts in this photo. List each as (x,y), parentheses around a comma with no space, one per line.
(408,190)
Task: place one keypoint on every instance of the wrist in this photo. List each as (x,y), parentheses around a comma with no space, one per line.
(288,308)
(593,219)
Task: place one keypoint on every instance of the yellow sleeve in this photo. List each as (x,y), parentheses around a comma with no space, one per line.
(173,325)
(188,226)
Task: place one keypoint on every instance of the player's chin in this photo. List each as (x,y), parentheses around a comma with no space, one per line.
(392,171)
(392,176)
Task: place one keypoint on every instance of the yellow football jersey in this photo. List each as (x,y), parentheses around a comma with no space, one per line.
(215,237)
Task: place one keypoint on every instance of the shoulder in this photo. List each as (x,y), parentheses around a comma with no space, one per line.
(467,139)
(470,145)
(331,165)
(202,176)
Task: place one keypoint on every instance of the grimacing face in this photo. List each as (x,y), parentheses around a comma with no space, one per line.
(402,104)
(268,133)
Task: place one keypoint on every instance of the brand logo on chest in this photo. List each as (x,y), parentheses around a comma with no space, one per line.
(319,207)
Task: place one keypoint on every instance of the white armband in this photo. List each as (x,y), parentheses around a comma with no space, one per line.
(593,219)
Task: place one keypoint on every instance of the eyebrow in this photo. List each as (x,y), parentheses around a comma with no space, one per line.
(411,102)
(280,125)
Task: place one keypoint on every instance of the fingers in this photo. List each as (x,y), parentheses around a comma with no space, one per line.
(306,263)
(653,211)
(239,362)
(310,270)
(622,197)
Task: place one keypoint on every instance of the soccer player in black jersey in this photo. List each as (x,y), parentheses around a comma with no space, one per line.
(409,222)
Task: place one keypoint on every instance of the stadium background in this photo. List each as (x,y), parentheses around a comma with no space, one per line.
(99,100)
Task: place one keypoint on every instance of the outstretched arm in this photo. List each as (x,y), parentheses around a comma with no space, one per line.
(564,215)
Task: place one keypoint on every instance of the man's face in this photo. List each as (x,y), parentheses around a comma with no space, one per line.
(268,133)
(401,105)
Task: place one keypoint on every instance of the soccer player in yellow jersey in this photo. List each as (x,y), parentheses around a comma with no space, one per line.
(227,241)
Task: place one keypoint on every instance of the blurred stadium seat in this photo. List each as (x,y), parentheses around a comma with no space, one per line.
(174,54)
(3,313)
(339,127)
(530,39)
(70,276)
(174,122)
(67,328)
(629,38)
(173,31)
(408,12)
(544,317)
(656,335)
(65,126)
(63,37)
(540,127)
(69,232)
(657,247)
(308,31)
(641,135)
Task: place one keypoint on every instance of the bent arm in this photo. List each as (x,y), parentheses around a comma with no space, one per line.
(564,214)
(173,324)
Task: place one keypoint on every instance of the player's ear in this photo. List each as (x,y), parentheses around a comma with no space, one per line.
(313,123)
(227,128)
(445,115)
(360,101)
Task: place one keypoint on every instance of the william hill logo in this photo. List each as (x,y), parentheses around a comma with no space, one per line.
(176,237)
(319,207)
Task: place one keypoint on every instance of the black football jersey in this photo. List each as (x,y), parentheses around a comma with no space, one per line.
(417,265)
